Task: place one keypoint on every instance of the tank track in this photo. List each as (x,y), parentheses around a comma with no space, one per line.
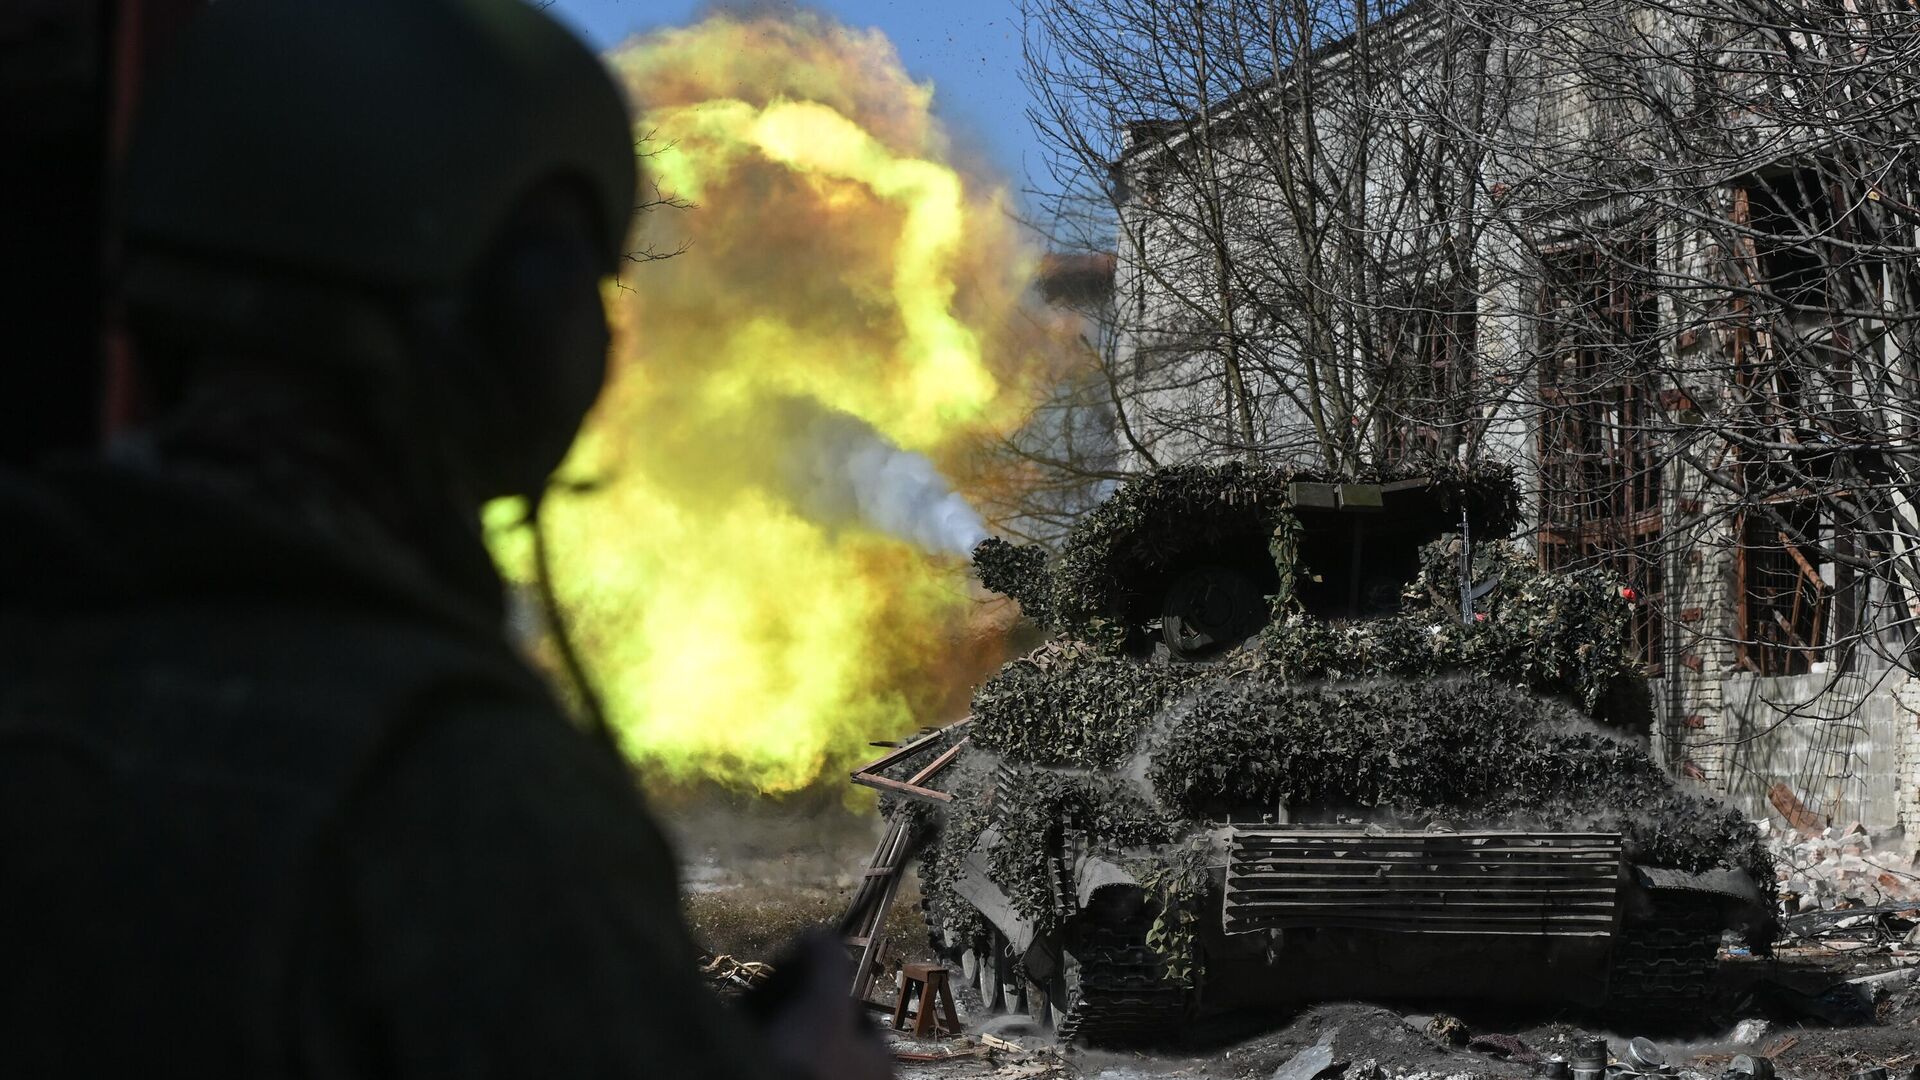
(1118,988)
(1666,968)
(1122,993)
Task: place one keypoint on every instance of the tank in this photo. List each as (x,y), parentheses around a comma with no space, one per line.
(1296,737)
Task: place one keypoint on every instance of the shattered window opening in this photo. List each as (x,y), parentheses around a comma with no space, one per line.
(1786,593)
(1600,468)
(1427,367)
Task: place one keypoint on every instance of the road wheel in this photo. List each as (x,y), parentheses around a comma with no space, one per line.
(996,973)
(1047,1003)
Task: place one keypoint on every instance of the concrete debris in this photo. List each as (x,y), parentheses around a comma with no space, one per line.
(1365,1070)
(1030,1070)
(1749,1032)
(1843,893)
(1833,869)
(1313,1063)
(1803,820)
(1877,987)
(943,1054)
(983,1055)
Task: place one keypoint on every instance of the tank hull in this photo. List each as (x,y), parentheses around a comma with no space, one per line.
(1298,915)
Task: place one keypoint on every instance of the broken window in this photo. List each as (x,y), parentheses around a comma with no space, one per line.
(1793,376)
(1427,351)
(1600,467)
(1786,591)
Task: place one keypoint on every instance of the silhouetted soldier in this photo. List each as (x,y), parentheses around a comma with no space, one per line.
(276,797)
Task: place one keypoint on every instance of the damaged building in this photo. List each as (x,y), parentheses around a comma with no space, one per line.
(1660,260)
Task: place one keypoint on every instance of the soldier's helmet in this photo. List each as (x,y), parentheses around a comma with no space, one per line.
(373,144)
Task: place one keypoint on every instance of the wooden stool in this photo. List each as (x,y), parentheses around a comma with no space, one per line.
(931,982)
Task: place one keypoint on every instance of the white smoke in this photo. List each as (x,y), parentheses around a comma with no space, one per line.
(842,469)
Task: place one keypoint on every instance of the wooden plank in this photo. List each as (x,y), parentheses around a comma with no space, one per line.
(882,763)
(872,920)
(871,774)
(885,784)
(1803,820)
(1801,561)
(884,854)
(941,762)
(1787,627)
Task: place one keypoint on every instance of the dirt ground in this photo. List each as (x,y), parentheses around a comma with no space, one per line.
(756,873)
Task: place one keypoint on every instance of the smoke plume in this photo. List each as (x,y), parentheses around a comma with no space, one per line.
(844,470)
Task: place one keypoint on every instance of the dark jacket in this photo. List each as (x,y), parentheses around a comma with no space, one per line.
(272,804)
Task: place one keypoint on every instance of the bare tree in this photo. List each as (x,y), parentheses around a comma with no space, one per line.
(1299,193)
(1736,182)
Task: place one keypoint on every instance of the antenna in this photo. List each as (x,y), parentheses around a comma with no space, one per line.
(1466,568)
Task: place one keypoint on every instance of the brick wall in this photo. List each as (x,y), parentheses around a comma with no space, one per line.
(1908,698)
(1847,745)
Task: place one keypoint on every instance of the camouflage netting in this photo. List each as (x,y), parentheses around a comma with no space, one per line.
(1071,705)
(1156,520)
(1475,752)
(1018,571)
(1471,752)
(1559,634)
(1102,807)
(1562,634)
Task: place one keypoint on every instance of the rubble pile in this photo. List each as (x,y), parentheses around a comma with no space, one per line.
(1840,868)
(1842,893)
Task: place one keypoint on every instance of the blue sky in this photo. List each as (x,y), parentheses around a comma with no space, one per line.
(970,49)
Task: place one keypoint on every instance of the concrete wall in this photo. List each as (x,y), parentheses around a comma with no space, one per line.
(1847,745)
